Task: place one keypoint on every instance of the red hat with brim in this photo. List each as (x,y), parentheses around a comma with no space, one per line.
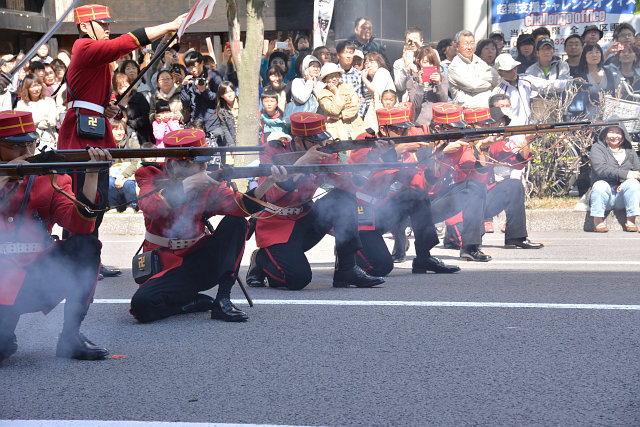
(395,116)
(92,12)
(17,126)
(445,113)
(480,115)
(309,125)
(185,138)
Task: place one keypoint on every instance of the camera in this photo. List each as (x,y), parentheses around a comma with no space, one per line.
(201,81)
(282,45)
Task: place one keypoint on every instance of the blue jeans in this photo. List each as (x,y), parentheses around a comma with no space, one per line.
(605,197)
(124,194)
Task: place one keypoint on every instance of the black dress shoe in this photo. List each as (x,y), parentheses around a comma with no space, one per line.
(255,275)
(77,346)
(109,271)
(472,253)
(355,277)
(223,309)
(523,243)
(398,258)
(8,346)
(432,264)
(201,303)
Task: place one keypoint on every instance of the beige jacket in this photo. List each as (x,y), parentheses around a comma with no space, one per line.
(470,82)
(341,112)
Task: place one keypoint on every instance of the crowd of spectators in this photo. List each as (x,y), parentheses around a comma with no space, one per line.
(347,83)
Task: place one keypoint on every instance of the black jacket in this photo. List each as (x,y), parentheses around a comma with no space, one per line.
(604,166)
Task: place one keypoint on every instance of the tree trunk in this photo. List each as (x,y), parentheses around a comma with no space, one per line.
(247,62)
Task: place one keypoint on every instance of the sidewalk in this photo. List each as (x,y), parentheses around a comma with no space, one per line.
(538,220)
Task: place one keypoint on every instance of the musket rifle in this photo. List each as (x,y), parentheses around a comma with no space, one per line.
(20,170)
(432,139)
(138,153)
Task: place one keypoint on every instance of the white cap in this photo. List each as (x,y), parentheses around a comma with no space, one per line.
(505,62)
(358,53)
(277,136)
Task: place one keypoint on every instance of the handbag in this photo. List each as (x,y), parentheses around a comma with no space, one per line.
(145,265)
(89,126)
(311,106)
(579,102)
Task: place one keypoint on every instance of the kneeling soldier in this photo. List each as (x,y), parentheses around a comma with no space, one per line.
(38,272)
(191,261)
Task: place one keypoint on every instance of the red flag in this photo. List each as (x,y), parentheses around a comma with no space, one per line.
(201,10)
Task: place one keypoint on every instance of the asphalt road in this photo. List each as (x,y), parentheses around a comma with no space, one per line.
(546,337)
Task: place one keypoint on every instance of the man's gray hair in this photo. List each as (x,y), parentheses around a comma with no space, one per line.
(463,33)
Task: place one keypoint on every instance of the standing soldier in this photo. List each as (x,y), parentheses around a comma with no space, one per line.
(89,86)
(38,273)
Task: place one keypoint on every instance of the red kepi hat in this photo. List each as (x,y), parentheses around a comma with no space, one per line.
(92,12)
(478,115)
(309,125)
(395,116)
(17,126)
(184,138)
(445,113)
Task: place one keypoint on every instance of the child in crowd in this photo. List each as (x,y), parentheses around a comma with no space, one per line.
(164,122)
(389,98)
(272,118)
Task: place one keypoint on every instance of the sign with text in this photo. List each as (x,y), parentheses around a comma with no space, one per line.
(561,17)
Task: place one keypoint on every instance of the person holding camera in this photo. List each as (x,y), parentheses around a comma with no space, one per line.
(199,95)
(403,66)
(426,84)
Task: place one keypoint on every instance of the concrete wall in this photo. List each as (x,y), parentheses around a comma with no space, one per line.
(446,18)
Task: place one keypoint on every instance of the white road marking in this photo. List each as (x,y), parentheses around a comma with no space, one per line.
(477,304)
(103,423)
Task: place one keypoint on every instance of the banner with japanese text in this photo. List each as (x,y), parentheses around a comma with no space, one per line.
(561,17)
(322,14)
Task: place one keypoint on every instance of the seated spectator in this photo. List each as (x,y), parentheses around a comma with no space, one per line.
(573,46)
(547,66)
(339,104)
(376,79)
(167,91)
(627,62)
(389,98)
(525,52)
(615,171)
(272,118)
(403,66)
(228,113)
(426,90)
(601,78)
(42,108)
(470,78)
(304,88)
(164,122)
(122,184)
(487,50)
(275,79)
(362,37)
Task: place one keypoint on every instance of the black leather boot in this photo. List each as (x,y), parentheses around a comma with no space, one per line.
(74,345)
(255,275)
(223,309)
(355,277)
(201,303)
(8,346)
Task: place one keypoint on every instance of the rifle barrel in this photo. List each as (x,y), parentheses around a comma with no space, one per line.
(22,169)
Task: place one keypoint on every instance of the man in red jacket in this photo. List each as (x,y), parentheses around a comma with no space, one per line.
(36,271)
(89,85)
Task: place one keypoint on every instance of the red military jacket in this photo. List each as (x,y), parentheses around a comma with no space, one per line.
(52,208)
(89,78)
(275,229)
(173,214)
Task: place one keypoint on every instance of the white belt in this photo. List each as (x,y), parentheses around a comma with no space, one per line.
(20,248)
(87,106)
(285,211)
(366,198)
(173,244)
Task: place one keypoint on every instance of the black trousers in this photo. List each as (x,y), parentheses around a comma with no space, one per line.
(68,271)
(77,183)
(286,264)
(468,197)
(216,262)
(508,196)
(374,257)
